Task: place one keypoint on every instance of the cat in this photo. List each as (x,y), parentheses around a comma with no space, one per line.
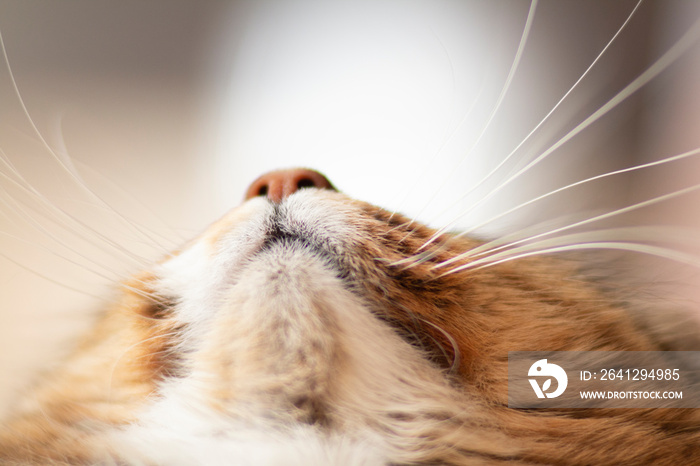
(362,350)
(290,332)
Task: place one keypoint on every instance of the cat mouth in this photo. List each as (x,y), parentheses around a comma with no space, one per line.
(280,232)
(286,229)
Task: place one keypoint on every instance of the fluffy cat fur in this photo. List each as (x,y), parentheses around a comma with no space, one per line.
(287,334)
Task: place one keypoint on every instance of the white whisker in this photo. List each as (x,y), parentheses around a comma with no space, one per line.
(546,117)
(430,162)
(514,254)
(118,360)
(454,366)
(496,107)
(49,279)
(160,238)
(674,158)
(689,38)
(68,169)
(489,247)
(62,218)
(414,260)
(64,257)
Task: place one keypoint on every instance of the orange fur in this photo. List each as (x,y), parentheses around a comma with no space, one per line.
(109,377)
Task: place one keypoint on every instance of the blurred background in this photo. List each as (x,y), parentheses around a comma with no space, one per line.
(126,127)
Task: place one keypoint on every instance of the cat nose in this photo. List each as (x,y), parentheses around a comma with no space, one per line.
(279,184)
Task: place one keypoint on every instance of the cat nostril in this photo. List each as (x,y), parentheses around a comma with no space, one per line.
(305,183)
(279,184)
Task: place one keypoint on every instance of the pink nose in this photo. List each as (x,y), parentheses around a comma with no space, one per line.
(281,183)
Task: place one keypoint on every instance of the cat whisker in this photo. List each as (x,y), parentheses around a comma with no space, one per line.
(67,167)
(431,161)
(689,38)
(64,222)
(49,279)
(631,235)
(674,158)
(159,239)
(497,105)
(66,258)
(414,260)
(449,133)
(129,348)
(94,271)
(454,366)
(150,296)
(489,247)
(401,226)
(546,117)
(455,360)
(28,217)
(537,249)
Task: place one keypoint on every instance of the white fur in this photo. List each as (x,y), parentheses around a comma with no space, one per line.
(280,327)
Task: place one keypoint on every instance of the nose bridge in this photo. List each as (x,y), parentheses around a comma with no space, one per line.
(279,184)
